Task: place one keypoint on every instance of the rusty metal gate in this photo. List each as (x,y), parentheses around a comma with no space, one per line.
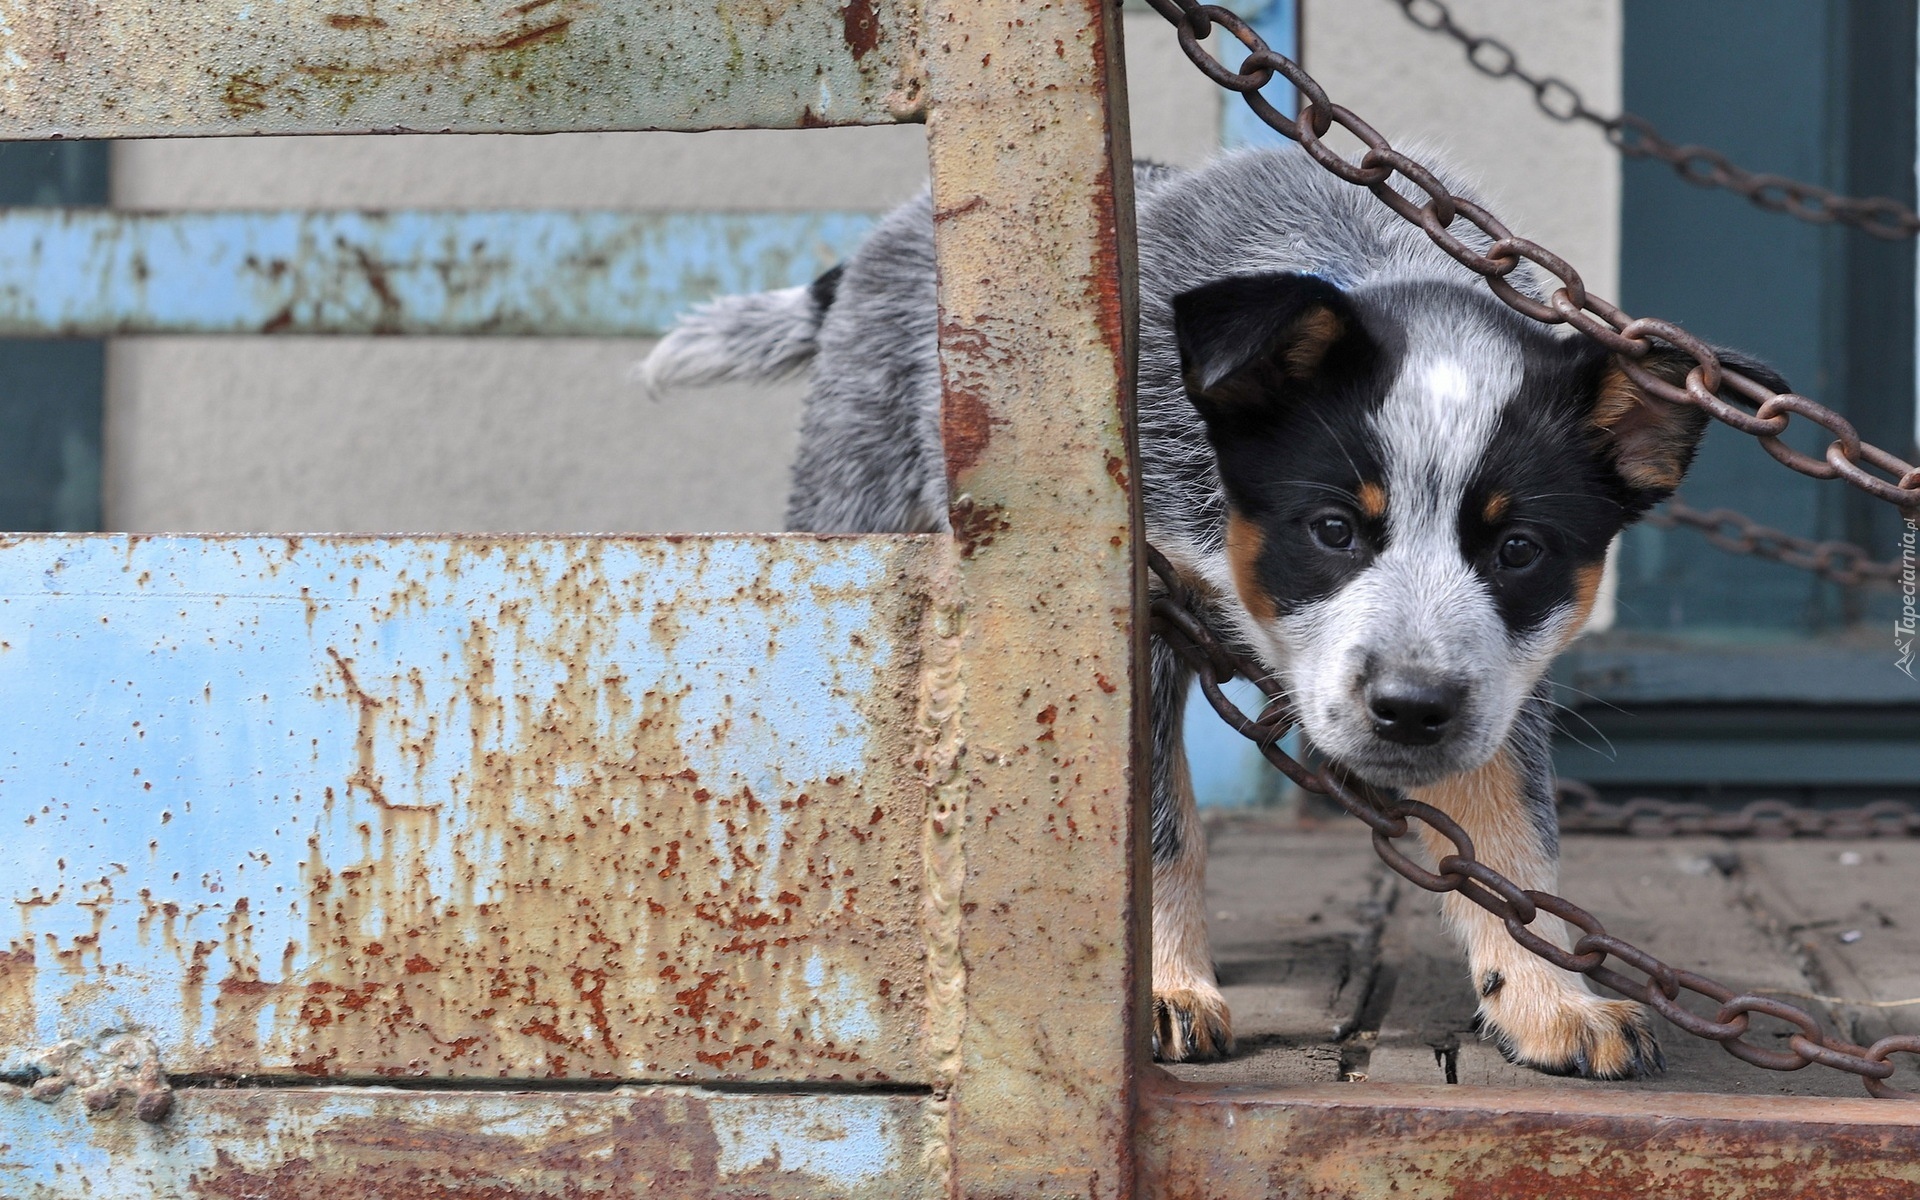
(704,866)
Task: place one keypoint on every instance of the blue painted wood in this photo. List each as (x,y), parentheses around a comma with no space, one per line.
(612,807)
(1278,23)
(94,273)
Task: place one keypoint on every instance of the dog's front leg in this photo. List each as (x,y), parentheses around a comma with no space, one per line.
(1190,1019)
(1538,1015)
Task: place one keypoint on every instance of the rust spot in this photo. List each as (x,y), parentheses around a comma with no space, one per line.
(975,524)
(966,427)
(948,214)
(1103,282)
(1117,471)
(18,973)
(546,33)
(861,27)
(810,119)
(243,95)
(353,21)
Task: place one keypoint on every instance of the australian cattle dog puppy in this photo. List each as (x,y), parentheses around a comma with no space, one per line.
(1398,493)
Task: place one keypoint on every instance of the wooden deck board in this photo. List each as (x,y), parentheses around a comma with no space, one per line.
(1334,969)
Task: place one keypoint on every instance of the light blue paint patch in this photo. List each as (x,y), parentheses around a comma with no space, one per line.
(80,272)
(1227,770)
(1277,22)
(191,728)
(835,1140)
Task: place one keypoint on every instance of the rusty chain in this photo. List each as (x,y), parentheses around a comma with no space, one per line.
(1601,320)
(1178,621)
(1636,137)
(1583,811)
(1840,562)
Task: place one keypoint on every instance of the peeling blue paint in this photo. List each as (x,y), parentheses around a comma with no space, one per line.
(198,734)
(77,272)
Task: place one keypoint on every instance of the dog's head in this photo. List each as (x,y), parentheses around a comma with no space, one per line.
(1421,488)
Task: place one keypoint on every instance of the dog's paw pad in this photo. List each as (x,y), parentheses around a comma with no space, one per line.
(1591,1039)
(1191,1025)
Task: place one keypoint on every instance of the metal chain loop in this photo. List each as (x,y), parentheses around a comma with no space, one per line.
(1841,562)
(1583,811)
(1897,481)
(1180,621)
(1635,137)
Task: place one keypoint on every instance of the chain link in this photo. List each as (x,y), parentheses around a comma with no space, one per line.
(1179,621)
(1841,562)
(1847,457)
(1636,137)
(1583,811)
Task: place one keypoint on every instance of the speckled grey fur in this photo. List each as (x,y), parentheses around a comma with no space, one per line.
(870,453)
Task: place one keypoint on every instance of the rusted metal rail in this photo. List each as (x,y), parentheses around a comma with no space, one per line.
(1361,1140)
(126,68)
(695,814)
(95,273)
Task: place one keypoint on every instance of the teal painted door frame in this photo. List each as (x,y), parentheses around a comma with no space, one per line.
(1728,675)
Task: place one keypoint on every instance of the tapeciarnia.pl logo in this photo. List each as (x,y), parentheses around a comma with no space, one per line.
(1905,624)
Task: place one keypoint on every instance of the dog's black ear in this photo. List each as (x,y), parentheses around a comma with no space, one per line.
(1649,441)
(1249,342)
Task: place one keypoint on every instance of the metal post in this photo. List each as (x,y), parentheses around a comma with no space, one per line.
(1037,880)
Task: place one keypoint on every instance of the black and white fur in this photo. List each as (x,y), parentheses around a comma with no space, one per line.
(1398,492)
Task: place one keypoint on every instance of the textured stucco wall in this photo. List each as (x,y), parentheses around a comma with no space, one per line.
(1557,184)
(547,435)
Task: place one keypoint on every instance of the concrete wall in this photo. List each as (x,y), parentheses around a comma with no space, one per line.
(1557,184)
(547,435)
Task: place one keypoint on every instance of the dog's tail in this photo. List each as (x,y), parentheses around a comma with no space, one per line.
(767,335)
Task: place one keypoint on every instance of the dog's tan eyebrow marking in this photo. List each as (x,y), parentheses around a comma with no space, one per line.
(1586,589)
(1244,541)
(1373,500)
(1496,507)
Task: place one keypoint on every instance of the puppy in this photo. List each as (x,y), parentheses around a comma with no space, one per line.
(1397,492)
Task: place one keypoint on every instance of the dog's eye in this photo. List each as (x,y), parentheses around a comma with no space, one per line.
(1518,553)
(1335,533)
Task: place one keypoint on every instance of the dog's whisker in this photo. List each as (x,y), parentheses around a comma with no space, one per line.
(1611,753)
(1341,492)
(1344,452)
(1589,696)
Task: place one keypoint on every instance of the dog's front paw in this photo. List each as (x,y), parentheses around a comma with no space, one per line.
(1580,1035)
(1191,1024)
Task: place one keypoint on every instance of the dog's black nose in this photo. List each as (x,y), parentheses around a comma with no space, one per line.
(1413,712)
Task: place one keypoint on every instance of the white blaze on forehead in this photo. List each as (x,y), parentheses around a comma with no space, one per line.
(1436,423)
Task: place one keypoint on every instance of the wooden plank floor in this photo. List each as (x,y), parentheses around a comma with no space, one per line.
(1336,969)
